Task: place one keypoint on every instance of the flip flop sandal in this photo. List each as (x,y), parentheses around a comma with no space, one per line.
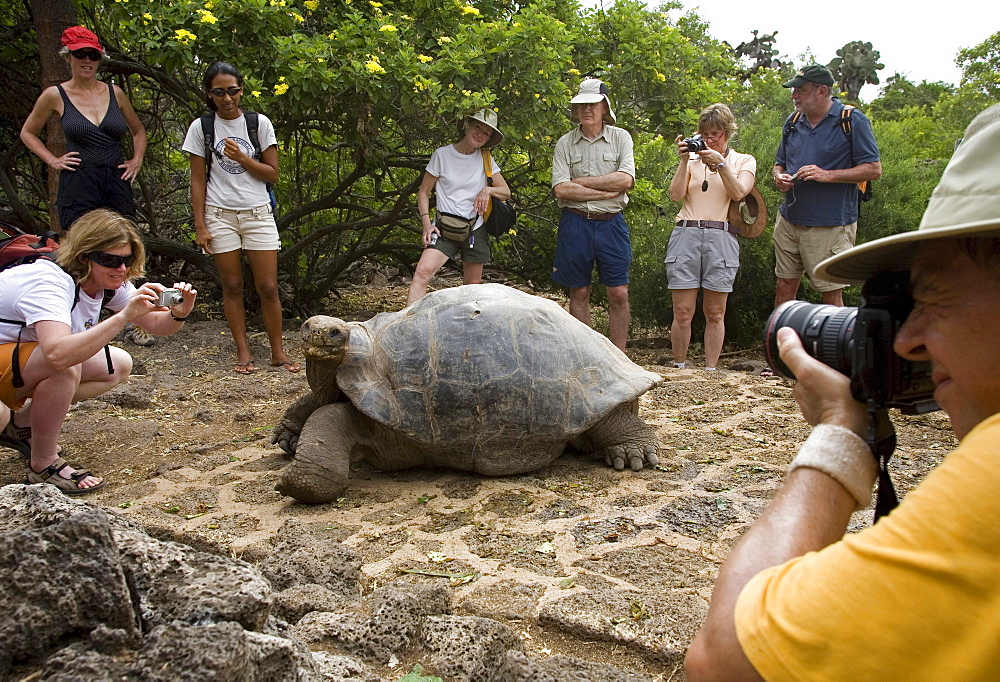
(16,437)
(288,365)
(246,368)
(68,486)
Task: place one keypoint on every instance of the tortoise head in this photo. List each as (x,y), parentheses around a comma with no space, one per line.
(325,342)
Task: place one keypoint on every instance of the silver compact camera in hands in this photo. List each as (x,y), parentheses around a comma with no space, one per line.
(169,297)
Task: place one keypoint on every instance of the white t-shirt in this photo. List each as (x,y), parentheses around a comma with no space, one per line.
(87,312)
(460,178)
(230,186)
(32,293)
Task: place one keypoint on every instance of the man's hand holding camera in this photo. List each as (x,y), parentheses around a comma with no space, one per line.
(823,393)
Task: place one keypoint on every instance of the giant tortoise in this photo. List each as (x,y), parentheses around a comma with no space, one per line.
(480,378)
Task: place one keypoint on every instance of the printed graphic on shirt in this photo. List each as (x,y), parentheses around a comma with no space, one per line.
(228,164)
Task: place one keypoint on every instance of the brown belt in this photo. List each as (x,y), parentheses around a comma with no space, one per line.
(710,224)
(591,216)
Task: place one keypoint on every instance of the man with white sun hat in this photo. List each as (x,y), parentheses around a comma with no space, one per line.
(592,169)
(917,595)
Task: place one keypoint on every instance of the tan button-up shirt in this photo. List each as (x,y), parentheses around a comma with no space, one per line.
(576,156)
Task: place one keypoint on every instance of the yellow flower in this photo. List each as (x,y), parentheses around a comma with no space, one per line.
(373,66)
(183,36)
(209,4)
(374,4)
(332,35)
(469,9)
(297,17)
(311,5)
(146,18)
(387,27)
(424,58)
(281,88)
(405,16)
(443,39)
(467,93)
(207,17)
(419,84)
(574,72)
(660,77)
(255,93)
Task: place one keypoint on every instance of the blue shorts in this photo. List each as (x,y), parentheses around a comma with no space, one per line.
(581,243)
(702,258)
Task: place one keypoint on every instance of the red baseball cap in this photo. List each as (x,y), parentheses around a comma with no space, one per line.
(78,37)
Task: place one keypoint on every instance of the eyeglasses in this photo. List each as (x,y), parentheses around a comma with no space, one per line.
(84,53)
(222,92)
(110,260)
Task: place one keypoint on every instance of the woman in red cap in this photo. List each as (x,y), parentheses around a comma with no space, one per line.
(95,115)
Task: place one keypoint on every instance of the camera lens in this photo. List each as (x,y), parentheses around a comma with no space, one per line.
(827,333)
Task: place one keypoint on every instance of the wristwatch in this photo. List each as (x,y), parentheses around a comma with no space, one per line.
(720,165)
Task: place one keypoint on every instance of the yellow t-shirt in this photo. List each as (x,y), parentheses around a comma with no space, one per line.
(915,597)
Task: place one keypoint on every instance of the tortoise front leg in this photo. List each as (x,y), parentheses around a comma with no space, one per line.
(286,433)
(322,461)
(621,437)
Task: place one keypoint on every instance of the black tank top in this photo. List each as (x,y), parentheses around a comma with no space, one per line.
(99,145)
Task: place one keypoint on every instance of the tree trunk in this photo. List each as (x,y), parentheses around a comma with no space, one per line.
(51,18)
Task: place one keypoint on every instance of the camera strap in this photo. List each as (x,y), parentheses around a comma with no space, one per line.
(881,438)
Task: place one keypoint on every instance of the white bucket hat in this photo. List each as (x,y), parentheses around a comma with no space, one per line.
(966,203)
(592,90)
(489,117)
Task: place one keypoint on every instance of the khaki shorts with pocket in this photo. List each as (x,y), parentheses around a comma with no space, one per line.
(798,249)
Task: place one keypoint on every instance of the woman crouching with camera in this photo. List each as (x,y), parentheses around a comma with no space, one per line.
(704,250)
(53,346)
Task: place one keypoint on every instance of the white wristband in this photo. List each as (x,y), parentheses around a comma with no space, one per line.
(844,456)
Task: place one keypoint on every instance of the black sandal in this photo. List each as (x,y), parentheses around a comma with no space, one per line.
(69,486)
(16,437)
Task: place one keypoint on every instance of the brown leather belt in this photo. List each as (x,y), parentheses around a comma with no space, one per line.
(710,224)
(591,216)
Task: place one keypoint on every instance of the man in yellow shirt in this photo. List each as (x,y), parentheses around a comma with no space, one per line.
(917,595)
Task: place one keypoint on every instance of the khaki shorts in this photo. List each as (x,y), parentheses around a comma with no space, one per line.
(251,229)
(798,249)
(8,394)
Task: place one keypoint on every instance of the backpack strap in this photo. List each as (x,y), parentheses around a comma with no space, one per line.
(488,166)
(790,126)
(251,118)
(208,132)
(105,299)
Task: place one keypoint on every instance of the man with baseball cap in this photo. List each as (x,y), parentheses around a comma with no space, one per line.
(917,595)
(592,169)
(818,166)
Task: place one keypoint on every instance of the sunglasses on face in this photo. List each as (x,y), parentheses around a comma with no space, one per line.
(110,260)
(222,92)
(92,55)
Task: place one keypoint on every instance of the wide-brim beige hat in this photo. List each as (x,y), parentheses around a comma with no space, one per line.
(489,117)
(966,203)
(592,90)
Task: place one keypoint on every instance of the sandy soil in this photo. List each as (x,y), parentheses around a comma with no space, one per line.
(609,566)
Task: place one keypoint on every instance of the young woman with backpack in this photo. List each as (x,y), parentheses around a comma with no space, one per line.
(232,208)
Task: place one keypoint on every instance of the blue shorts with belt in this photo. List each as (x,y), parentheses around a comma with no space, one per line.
(581,243)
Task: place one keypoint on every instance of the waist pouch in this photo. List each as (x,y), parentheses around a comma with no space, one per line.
(455,227)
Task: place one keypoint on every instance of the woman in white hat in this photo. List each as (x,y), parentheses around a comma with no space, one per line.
(457,175)
(704,251)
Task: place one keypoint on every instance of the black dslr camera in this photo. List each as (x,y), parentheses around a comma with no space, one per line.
(858,342)
(696,143)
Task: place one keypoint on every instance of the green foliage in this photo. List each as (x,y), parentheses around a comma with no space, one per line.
(856,64)
(899,95)
(980,66)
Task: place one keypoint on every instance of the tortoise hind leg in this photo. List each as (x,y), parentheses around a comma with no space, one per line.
(621,438)
(322,461)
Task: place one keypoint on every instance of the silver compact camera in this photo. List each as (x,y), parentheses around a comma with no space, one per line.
(169,297)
